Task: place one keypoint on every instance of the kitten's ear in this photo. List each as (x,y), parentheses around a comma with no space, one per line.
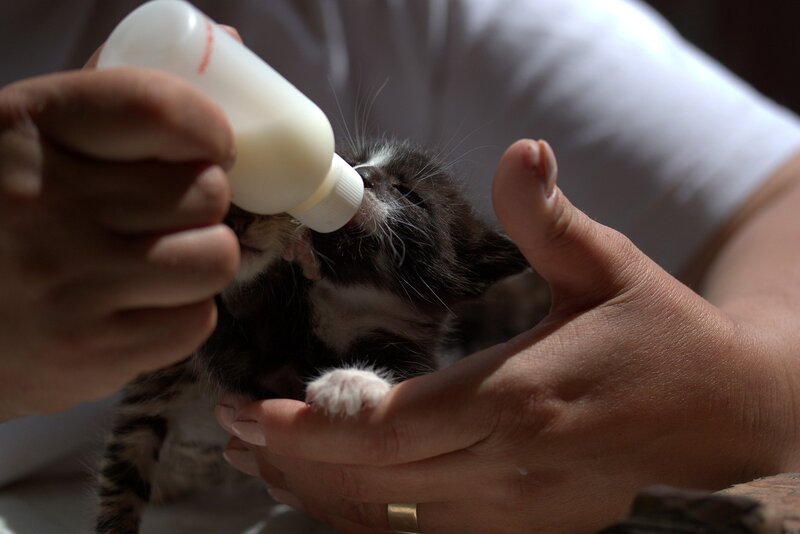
(494,257)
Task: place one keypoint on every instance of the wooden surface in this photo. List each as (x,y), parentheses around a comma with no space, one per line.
(764,506)
(779,497)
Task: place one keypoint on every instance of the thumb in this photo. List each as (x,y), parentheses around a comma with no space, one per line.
(581,259)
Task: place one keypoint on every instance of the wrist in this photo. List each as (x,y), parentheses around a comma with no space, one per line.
(765,350)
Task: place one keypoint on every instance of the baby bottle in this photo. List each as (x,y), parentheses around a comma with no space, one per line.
(284,143)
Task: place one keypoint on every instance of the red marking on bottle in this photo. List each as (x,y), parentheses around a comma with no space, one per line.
(208,49)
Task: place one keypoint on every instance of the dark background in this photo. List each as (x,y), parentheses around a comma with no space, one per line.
(757,39)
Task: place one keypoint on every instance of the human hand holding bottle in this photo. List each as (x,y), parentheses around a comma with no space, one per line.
(112,194)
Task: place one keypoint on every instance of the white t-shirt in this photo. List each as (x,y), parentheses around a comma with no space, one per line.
(653,138)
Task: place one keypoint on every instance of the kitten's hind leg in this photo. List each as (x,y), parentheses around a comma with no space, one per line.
(124,481)
(140,427)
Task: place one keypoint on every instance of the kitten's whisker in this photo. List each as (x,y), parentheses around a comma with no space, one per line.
(448,165)
(435,295)
(348,135)
(442,156)
(407,284)
(357,116)
(326,259)
(392,238)
(439,158)
(419,233)
(455,134)
(403,243)
(405,289)
(367,108)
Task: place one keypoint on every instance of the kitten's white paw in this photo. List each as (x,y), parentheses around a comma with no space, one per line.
(345,392)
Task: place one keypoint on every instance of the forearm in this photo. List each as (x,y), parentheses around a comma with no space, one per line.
(754,278)
(755,272)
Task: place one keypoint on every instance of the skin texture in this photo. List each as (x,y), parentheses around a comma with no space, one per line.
(632,379)
(111,242)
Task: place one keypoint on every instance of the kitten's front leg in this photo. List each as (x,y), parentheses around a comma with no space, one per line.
(346,392)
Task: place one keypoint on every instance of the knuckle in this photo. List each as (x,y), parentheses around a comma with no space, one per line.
(211,253)
(14,104)
(346,482)
(362,514)
(182,108)
(21,168)
(202,321)
(212,186)
(225,261)
(562,225)
(189,327)
(382,447)
(150,97)
(629,253)
(521,487)
(536,411)
(626,270)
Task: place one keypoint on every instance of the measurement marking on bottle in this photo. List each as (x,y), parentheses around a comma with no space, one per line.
(209,47)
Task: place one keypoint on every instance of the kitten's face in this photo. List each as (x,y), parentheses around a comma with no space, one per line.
(414,234)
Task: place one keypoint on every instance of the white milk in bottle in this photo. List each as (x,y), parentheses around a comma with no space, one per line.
(285,158)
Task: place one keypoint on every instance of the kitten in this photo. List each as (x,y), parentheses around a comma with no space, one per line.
(334,319)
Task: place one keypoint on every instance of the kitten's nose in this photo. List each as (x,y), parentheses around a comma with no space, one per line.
(369,174)
(238,219)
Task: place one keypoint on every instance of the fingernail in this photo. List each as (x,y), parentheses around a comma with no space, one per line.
(249,431)
(548,168)
(226,415)
(230,30)
(284,497)
(234,401)
(242,460)
(230,159)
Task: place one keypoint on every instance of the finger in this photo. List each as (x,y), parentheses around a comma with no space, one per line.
(200,261)
(148,339)
(578,257)
(423,417)
(163,201)
(127,343)
(346,527)
(137,197)
(91,63)
(368,518)
(230,30)
(126,114)
(452,476)
(165,271)
(242,457)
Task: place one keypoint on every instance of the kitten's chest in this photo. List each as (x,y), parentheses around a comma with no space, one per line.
(191,417)
(344,314)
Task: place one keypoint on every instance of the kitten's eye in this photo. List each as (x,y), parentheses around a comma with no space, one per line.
(409,194)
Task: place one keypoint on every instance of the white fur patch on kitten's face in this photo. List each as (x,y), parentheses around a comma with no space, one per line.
(380,157)
(375,211)
(346,392)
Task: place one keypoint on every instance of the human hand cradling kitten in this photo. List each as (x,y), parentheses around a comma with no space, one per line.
(632,379)
(112,191)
